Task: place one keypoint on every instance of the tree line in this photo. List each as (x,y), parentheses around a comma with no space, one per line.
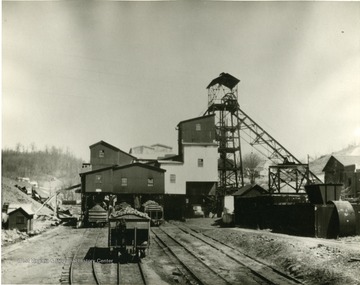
(38,164)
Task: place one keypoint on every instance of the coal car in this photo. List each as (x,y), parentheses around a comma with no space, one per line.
(129,234)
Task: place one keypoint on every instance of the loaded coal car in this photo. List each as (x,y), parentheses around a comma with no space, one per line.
(129,234)
(97,216)
(155,212)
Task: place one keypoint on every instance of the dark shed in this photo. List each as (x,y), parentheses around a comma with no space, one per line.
(20,219)
(249,191)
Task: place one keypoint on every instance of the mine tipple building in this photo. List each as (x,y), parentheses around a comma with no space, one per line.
(103,155)
(175,181)
(344,170)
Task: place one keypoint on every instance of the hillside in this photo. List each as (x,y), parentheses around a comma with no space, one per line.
(50,168)
(10,194)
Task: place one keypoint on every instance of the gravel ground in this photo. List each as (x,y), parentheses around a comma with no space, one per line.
(312,260)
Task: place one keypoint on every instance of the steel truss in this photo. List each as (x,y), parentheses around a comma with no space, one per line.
(232,125)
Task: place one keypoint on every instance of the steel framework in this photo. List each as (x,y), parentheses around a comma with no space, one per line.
(223,102)
(232,125)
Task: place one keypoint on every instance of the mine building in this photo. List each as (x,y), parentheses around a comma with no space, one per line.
(192,174)
(176,181)
(344,170)
(155,151)
(103,155)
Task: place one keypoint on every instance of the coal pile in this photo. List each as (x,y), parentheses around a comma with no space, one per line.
(125,209)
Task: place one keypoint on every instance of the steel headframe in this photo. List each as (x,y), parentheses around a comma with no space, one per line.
(231,122)
(223,102)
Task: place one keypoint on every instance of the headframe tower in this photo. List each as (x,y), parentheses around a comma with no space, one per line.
(231,122)
(223,102)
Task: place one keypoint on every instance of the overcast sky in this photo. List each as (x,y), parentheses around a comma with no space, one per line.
(75,73)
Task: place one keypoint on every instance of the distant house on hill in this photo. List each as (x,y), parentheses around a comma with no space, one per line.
(344,170)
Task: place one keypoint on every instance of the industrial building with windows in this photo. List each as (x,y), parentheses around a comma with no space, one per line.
(174,181)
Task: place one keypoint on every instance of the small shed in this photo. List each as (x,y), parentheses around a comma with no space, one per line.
(247,205)
(251,190)
(21,219)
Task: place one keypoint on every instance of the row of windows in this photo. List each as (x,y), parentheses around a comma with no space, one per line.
(124,180)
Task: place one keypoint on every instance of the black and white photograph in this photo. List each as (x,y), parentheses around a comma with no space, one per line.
(180,142)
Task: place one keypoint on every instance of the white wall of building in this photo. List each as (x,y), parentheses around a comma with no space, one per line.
(190,170)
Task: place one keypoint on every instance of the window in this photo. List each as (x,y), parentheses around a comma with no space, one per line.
(98,179)
(101,153)
(172,178)
(198,127)
(150,182)
(20,220)
(124,181)
(200,162)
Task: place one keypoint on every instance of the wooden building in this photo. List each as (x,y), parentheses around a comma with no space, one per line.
(344,170)
(21,219)
(175,181)
(134,178)
(103,154)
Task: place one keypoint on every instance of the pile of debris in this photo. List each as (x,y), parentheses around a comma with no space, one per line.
(54,221)
(10,236)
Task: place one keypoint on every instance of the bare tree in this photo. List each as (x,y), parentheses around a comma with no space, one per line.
(250,161)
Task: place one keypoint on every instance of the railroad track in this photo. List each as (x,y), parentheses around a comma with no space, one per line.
(130,273)
(180,270)
(200,271)
(265,271)
(82,267)
(214,263)
(91,264)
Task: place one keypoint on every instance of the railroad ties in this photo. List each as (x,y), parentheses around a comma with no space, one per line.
(211,262)
(198,258)
(82,270)
(199,270)
(131,273)
(93,264)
